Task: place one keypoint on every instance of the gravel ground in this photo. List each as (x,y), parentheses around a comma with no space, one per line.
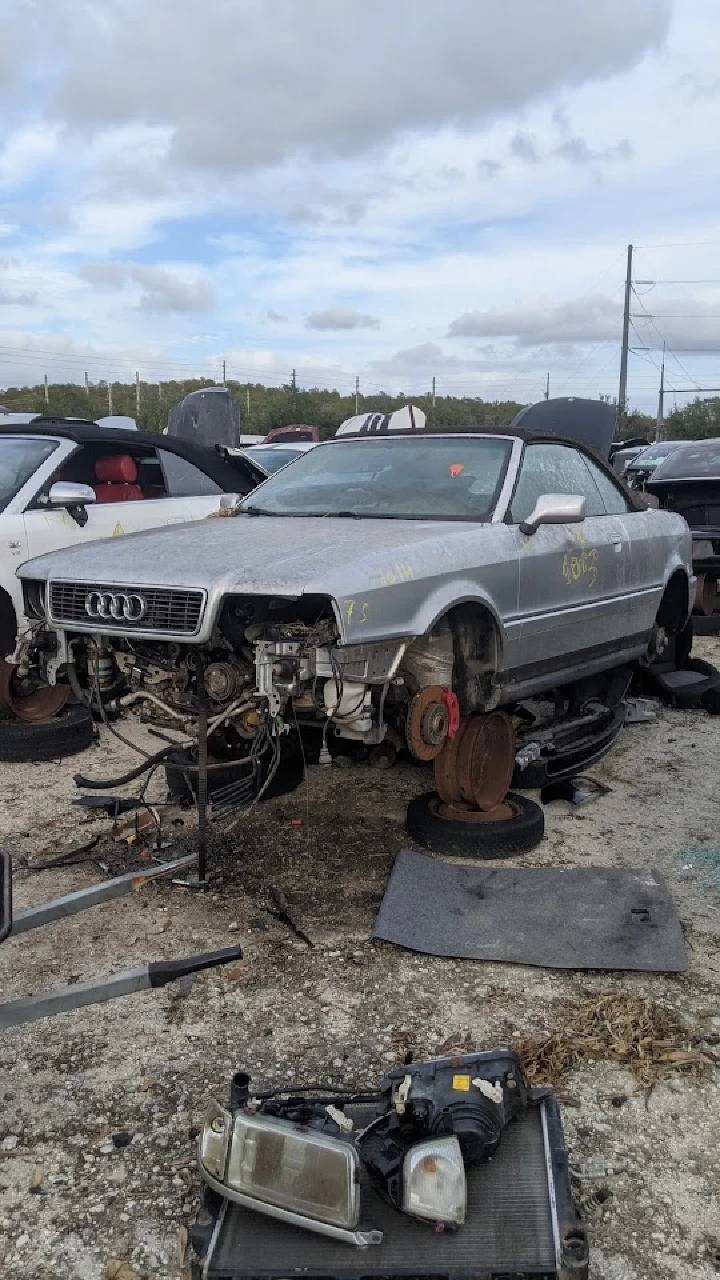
(72,1205)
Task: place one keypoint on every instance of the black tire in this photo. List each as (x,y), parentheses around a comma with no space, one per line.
(685,696)
(181,774)
(68,733)
(476,840)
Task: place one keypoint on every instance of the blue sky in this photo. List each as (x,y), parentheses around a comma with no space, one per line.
(357,189)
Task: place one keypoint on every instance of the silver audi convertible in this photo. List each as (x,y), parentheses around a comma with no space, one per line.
(376,586)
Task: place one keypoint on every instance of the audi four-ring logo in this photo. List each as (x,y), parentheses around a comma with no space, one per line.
(115,605)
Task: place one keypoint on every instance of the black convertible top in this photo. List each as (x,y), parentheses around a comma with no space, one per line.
(225,470)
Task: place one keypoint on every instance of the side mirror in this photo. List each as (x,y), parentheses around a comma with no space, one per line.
(64,493)
(5,894)
(555,508)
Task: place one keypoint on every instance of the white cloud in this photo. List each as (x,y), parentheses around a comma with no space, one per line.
(341,318)
(340,77)
(161,290)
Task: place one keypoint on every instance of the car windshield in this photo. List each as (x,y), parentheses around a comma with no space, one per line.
(433,478)
(272,458)
(698,461)
(20,456)
(656,454)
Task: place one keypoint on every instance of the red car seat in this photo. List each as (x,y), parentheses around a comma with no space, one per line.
(116,479)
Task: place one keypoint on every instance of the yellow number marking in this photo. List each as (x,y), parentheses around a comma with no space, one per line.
(584,565)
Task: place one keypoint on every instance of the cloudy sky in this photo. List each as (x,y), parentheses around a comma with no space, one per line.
(394,189)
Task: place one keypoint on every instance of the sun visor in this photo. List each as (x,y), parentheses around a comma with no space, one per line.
(589,422)
(409,418)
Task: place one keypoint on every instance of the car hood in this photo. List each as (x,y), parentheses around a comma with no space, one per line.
(257,555)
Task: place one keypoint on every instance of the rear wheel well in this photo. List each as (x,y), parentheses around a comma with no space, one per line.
(476,653)
(675,604)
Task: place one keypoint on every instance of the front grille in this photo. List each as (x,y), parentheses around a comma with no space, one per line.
(167,610)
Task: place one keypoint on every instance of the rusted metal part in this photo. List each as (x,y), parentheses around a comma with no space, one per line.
(486,760)
(460,812)
(706,595)
(41,704)
(428,723)
(445,770)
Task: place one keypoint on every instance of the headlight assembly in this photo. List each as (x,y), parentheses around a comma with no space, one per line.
(296,1157)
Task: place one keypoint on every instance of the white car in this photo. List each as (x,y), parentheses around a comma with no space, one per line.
(64,481)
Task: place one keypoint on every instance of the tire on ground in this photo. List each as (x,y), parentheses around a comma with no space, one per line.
(181,774)
(68,733)
(519,834)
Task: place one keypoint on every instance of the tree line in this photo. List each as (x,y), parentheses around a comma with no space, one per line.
(263,408)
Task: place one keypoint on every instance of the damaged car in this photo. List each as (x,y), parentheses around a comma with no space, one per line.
(379,589)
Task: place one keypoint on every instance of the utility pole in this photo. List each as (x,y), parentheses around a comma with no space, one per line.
(47,394)
(547,386)
(661,400)
(622,392)
(357,394)
(293,382)
(247,400)
(433,392)
(223,373)
(87,386)
(110,412)
(137,397)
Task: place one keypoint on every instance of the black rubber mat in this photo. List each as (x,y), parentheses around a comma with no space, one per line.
(520,1222)
(558,917)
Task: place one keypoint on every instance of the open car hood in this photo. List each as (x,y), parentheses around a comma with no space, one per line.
(589,422)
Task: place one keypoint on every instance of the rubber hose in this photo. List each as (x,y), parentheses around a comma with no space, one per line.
(99,784)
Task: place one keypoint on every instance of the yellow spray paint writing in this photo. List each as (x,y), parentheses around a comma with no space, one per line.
(396,573)
(584,565)
(356,611)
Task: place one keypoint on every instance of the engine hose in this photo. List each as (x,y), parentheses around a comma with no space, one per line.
(75,685)
(99,784)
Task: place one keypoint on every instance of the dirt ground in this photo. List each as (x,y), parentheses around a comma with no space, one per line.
(646,1164)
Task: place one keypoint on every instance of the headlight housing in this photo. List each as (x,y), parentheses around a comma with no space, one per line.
(34,598)
(287,1171)
(434,1185)
(303,1171)
(215,1140)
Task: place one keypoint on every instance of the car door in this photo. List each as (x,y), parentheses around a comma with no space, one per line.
(572,583)
(173,491)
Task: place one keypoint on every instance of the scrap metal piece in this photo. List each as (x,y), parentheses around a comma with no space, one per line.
(35,707)
(105,891)
(486,760)
(641,710)
(578,790)
(79,994)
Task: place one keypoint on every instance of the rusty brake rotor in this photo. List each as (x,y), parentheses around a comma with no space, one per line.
(41,704)
(454,812)
(479,770)
(427,725)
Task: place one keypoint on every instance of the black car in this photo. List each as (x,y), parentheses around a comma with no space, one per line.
(639,469)
(688,482)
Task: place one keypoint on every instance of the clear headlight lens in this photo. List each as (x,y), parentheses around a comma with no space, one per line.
(434,1181)
(298,1170)
(215,1140)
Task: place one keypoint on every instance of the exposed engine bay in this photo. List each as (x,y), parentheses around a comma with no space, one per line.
(272,665)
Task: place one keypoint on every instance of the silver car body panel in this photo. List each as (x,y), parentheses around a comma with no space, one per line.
(566,601)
